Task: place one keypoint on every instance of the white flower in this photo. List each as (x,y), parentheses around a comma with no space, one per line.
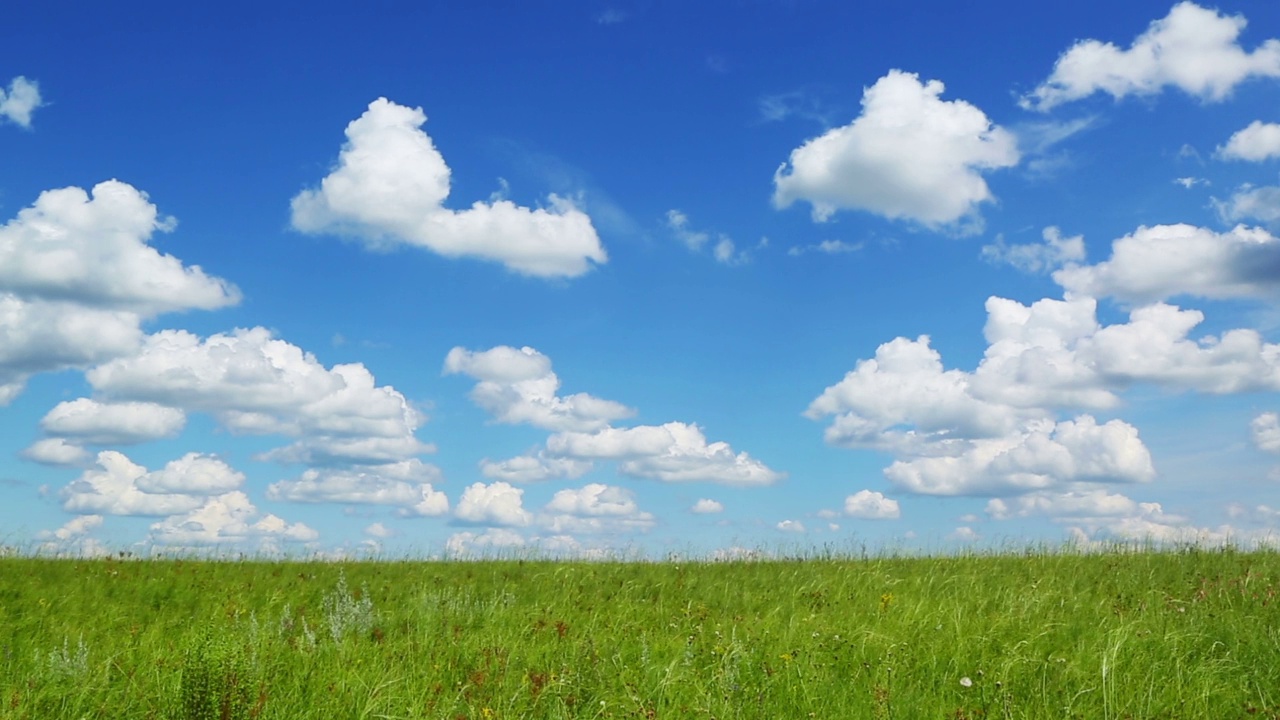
(966,682)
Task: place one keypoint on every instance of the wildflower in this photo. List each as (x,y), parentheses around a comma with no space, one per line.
(966,682)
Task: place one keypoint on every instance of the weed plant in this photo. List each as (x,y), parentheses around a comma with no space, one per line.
(1186,634)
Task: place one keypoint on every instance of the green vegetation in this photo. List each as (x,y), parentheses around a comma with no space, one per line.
(1186,634)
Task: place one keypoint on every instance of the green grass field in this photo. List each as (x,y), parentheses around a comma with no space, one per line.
(1180,634)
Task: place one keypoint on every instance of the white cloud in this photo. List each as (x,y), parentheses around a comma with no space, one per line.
(964,534)
(495,539)
(791,526)
(496,504)
(1190,182)
(826,247)
(870,505)
(678,223)
(1044,455)
(673,452)
(903,397)
(72,539)
(74,528)
(1265,431)
(595,508)
(406,484)
(20,101)
(192,474)
(114,489)
(256,384)
(707,506)
(1160,262)
(910,155)
(724,250)
(77,278)
(390,185)
(1193,48)
(1088,503)
(380,531)
(228,518)
(518,386)
(1257,142)
(89,421)
(1049,255)
(56,451)
(92,250)
(534,468)
(1251,203)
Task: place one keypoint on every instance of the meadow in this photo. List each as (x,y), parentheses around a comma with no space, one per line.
(1188,633)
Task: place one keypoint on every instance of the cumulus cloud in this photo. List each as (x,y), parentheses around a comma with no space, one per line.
(92,422)
(518,386)
(1257,142)
(1055,252)
(406,485)
(72,539)
(724,249)
(672,452)
(254,383)
(1265,431)
(595,508)
(1044,455)
(707,506)
(1088,503)
(498,504)
(1194,49)
(192,474)
(1164,261)
(114,487)
(826,247)
(791,526)
(466,543)
(870,505)
(57,452)
(910,155)
(1261,204)
(77,278)
(22,98)
(229,518)
(390,185)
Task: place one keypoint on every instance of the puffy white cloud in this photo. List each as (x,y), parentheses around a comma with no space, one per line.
(707,506)
(77,278)
(1265,431)
(1049,255)
(905,386)
(256,384)
(229,518)
(678,223)
(518,386)
(594,508)
(909,155)
(1251,203)
(192,474)
(1156,263)
(791,526)
(113,489)
(390,185)
(89,421)
(405,484)
(56,451)
(378,530)
(496,504)
(672,452)
(74,528)
(965,534)
(92,250)
(534,468)
(870,505)
(1044,455)
(495,539)
(1257,142)
(41,336)
(1088,503)
(72,539)
(22,98)
(1193,48)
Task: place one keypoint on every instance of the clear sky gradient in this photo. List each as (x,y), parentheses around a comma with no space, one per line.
(638,277)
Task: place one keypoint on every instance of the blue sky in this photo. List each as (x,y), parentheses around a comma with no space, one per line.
(638,277)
